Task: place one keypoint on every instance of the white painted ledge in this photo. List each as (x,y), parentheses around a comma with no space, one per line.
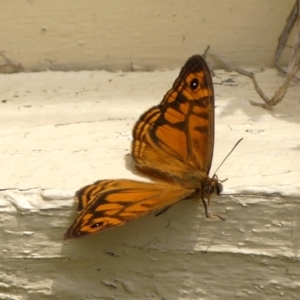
(60,131)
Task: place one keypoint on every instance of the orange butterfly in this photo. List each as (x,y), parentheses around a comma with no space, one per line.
(173,143)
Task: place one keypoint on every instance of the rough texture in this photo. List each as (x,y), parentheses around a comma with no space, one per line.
(60,131)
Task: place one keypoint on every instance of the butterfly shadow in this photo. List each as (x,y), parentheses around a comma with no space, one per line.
(130,166)
(100,262)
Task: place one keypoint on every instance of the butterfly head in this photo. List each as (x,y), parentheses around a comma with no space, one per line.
(212,186)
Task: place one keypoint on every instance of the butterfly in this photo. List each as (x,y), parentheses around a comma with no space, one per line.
(173,144)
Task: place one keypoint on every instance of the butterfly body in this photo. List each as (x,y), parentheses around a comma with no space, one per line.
(173,144)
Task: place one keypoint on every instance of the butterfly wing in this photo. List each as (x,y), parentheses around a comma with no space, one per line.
(110,203)
(174,140)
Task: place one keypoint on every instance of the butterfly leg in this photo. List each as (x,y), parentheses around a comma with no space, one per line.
(205,207)
(162,211)
(206,210)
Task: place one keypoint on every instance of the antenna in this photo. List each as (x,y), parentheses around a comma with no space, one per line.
(228,155)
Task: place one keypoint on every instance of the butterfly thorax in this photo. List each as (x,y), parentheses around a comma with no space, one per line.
(201,182)
(196,179)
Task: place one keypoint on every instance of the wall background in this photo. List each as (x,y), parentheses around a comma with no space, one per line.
(113,35)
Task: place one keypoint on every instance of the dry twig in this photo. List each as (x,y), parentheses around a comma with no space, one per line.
(294,63)
(9,66)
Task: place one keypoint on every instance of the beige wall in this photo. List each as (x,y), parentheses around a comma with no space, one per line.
(93,34)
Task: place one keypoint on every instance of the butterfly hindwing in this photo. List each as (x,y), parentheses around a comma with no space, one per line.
(111,203)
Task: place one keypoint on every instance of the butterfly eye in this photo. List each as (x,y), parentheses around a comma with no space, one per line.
(208,189)
(96,225)
(194,84)
(219,188)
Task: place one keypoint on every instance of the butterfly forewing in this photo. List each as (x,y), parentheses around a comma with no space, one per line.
(176,137)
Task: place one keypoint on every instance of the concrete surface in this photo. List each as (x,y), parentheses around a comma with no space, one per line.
(60,131)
